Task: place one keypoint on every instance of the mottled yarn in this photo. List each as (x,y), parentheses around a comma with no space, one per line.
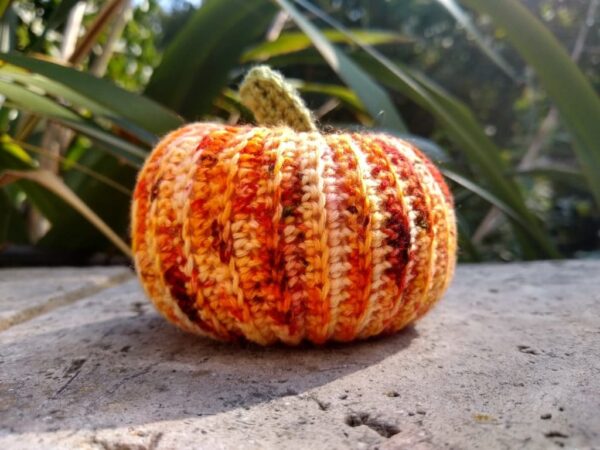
(271,234)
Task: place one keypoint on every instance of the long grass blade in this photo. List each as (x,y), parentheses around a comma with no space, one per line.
(482,42)
(116,102)
(375,99)
(567,86)
(32,102)
(291,42)
(78,167)
(54,184)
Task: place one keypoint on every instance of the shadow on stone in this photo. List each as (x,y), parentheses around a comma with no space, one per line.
(138,369)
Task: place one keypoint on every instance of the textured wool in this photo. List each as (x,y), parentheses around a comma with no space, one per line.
(276,235)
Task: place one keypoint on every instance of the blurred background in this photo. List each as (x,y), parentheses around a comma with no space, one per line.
(503,95)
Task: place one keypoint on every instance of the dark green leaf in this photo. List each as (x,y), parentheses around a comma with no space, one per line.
(113,209)
(375,99)
(39,104)
(570,178)
(12,226)
(4,5)
(196,65)
(115,102)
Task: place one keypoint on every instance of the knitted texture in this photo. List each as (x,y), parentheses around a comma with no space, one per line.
(273,101)
(271,234)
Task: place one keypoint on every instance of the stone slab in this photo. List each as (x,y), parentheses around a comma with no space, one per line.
(509,359)
(25,293)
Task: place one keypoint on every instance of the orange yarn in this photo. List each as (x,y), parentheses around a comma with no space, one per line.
(271,234)
(274,235)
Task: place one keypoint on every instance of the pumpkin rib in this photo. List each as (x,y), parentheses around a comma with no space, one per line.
(292,280)
(251,221)
(227,161)
(450,218)
(213,291)
(325,165)
(176,262)
(314,213)
(190,266)
(440,257)
(158,248)
(141,217)
(444,265)
(374,237)
(405,184)
(280,314)
(396,236)
(350,275)
(339,233)
(419,278)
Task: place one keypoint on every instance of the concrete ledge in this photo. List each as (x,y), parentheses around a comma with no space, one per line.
(509,359)
(26,293)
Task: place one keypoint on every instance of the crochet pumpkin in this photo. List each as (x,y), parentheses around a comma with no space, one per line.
(280,234)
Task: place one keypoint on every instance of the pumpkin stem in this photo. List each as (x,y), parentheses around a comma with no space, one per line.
(273,101)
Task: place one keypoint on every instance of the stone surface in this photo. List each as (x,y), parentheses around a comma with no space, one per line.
(31,292)
(509,359)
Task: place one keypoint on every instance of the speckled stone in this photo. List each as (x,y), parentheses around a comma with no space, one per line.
(509,359)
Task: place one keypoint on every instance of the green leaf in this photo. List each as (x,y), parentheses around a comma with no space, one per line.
(196,65)
(487,196)
(112,209)
(574,96)
(115,102)
(292,42)
(39,104)
(524,230)
(10,159)
(342,93)
(465,243)
(65,94)
(54,184)
(95,194)
(375,99)
(12,225)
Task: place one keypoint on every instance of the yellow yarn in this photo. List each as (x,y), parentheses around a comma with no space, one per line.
(273,101)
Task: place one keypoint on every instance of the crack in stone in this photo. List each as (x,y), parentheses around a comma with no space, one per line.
(62,300)
(381,427)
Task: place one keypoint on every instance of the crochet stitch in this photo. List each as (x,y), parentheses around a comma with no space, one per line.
(274,234)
